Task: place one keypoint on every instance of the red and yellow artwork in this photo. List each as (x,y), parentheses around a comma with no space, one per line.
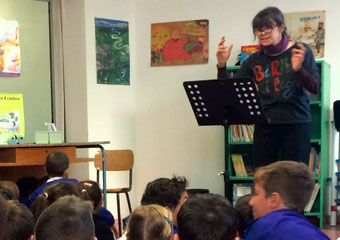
(180,43)
(10,60)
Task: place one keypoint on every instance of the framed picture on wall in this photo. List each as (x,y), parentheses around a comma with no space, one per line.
(112,51)
(10,60)
(180,43)
(308,27)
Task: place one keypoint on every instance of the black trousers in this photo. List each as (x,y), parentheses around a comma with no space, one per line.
(289,141)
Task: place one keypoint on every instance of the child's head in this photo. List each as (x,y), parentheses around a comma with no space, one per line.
(56,164)
(244,213)
(150,222)
(9,190)
(67,218)
(170,193)
(207,217)
(281,185)
(89,190)
(3,214)
(19,222)
(51,194)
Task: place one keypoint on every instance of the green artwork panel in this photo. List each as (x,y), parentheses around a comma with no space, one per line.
(112,51)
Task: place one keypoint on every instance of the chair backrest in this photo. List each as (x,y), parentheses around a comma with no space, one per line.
(116,160)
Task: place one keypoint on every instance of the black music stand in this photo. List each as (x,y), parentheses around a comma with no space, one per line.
(225,102)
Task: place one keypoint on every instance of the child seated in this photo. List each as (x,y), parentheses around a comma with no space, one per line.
(89,190)
(3,214)
(67,218)
(18,224)
(282,190)
(207,217)
(57,164)
(9,190)
(150,222)
(244,214)
(166,192)
(51,194)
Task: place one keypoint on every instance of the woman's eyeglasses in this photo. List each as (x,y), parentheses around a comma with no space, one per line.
(265,30)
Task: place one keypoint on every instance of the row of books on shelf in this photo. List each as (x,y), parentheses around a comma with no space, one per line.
(242,133)
(241,189)
(242,165)
(314,162)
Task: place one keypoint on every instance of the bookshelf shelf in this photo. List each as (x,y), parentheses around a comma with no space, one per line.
(315,103)
(319,105)
(241,143)
(317,179)
(312,214)
(241,178)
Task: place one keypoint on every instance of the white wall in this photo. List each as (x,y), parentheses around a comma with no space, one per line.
(111,108)
(152,115)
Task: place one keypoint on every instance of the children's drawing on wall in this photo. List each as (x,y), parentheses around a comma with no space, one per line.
(12,121)
(308,27)
(10,60)
(180,43)
(112,50)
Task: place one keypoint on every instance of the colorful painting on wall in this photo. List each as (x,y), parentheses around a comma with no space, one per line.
(180,43)
(10,60)
(12,121)
(112,51)
(308,27)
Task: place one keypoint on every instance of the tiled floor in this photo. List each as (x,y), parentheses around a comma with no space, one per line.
(332,232)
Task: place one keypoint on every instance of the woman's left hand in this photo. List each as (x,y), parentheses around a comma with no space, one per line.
(298,56)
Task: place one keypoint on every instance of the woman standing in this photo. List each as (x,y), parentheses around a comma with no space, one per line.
(284,73)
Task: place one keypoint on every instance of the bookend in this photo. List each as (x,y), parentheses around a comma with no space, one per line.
(225,102)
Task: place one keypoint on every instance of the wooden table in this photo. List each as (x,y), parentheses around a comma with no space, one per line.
(22,160)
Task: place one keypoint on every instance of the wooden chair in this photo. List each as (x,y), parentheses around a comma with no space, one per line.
(117,160)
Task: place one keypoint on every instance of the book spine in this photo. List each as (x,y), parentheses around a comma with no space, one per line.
(237,166)
(310,204)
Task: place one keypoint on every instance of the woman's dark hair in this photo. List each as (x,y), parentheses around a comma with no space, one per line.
(89,190)
(50,195)
(269,17)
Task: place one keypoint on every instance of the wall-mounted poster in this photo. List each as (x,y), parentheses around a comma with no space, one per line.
(10,60)
(12,121)
(308,27)
(112,51)
(180,43)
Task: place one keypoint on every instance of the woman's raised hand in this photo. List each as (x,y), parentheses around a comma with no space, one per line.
(298,56)
(223,53)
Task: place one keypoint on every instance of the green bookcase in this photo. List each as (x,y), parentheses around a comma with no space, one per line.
(319,105)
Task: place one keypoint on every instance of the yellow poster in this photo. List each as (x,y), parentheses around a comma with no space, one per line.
(12,121)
